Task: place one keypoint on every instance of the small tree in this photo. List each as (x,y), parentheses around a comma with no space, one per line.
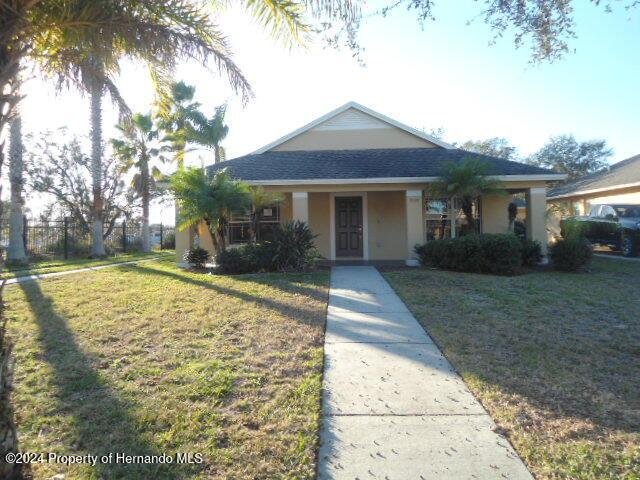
(468,181)
(260,199)
(494,147)
(209,200)
(64,171)
(565,154)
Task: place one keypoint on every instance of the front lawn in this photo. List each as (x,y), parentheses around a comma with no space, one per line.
(554,357)
(148,359)
(61,265)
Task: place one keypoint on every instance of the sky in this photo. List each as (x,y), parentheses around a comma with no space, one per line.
(442,75)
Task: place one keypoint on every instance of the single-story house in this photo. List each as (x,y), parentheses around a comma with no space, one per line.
(361,181)
(620,183)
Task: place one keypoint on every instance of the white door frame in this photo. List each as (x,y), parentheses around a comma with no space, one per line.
(365,221)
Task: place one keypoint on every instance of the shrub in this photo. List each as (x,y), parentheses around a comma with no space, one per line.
(519,229)
(572,228)
(197,257)
(571,254)
(235,260)
(247,258)
(487,253)
(169,241)
(531,252)
(292,247)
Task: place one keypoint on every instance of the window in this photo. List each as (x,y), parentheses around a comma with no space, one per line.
(595,211)
(607,212)
(240,225)
(444,218)
(438,218)
(628,211)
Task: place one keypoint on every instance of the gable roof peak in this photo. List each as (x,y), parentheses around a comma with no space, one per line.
(363,109)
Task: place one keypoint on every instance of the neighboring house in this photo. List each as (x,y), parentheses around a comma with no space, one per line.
(361,181)
(620,183)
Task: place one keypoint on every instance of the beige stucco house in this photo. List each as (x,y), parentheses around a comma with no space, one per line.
(620,183)
(361,181)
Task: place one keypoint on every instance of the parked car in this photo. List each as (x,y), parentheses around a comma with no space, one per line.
(615,226)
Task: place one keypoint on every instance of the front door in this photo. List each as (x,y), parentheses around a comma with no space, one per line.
(349,227)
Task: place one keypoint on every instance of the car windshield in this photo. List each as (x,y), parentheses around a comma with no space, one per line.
(628,211)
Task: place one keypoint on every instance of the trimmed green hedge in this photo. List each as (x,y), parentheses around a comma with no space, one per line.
(571,254)
(498,254)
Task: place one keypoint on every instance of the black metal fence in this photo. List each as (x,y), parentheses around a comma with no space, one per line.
(67,239)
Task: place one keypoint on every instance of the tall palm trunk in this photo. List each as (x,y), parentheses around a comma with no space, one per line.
(144,186)
(16,253)
(97,210)
(8,435)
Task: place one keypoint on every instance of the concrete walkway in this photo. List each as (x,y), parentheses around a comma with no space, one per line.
(394,409)
(42,276)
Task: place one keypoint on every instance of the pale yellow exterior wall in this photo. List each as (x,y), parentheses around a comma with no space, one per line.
(285,208)
(494,213)
(319,221)
(389,233)
(391,137)
(205,239)
(184,241)
(387,225)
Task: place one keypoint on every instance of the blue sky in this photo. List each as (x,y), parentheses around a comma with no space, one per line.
(443,75)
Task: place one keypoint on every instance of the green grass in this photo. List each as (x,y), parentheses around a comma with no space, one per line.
(555,359)
(61,265)
(150,359)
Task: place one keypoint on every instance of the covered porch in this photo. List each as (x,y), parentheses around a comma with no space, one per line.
(382,223)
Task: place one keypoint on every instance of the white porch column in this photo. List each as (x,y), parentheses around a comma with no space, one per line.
(300,206)
(537,216)
(415,224)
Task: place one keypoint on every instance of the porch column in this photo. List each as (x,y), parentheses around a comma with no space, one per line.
(537,216)
(300,206)
(585,208)
(415,225)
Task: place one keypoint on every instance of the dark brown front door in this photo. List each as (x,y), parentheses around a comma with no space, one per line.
(349,227)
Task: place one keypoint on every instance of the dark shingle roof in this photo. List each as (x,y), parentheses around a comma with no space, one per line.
(352,164)
(621,173)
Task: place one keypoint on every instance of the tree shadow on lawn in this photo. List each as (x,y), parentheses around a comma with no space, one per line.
(102,421)
(554,339)
(300,314)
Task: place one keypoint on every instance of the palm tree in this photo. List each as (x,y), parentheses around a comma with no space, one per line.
(176,114)
(15,252)
(210,132)
(208,200)
(180,117)
(138,148)
(156,33)
(467,181)
(261,199)
(80,41)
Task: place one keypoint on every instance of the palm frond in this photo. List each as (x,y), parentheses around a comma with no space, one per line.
(284,19)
